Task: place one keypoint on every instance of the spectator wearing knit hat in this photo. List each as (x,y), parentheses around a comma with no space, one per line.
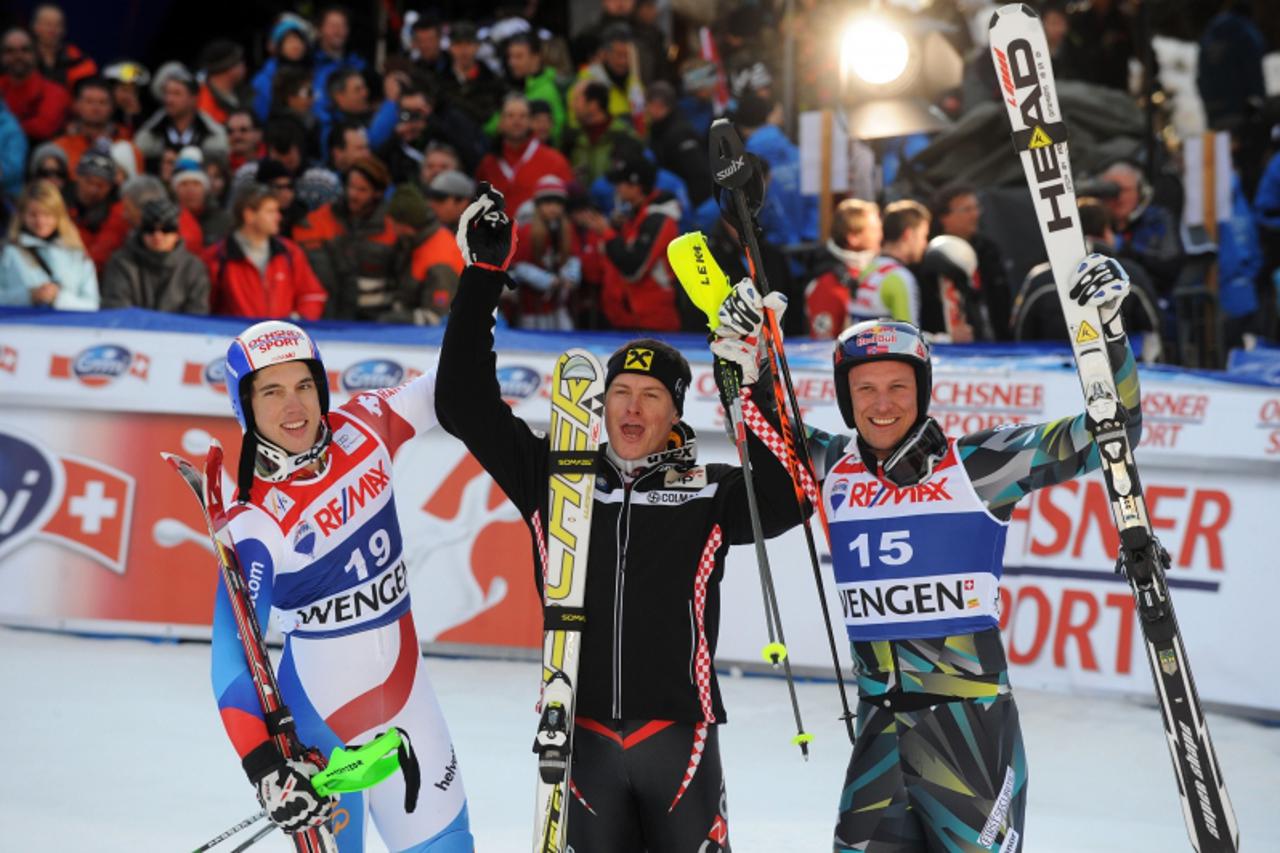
(290,47)
(435,260)
(95,207)
(353,246)
(286,141)
(40,105)
(154,270)
(49,163)
(190,186)
(223,89)
(546,266)
(515,169)
(179,122)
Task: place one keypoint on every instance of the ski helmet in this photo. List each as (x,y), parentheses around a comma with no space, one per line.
(882,340)
(952,256)
(262,345)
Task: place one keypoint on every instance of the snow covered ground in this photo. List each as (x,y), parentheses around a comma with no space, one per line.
(114,745)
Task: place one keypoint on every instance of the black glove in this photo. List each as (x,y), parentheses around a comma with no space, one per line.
(486,235)
(292,804)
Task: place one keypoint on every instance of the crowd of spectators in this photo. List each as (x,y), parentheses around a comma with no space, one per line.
(323,184)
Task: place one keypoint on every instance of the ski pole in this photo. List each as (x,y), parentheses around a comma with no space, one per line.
(776,650)
(707,286)
(223,836)
(255,838)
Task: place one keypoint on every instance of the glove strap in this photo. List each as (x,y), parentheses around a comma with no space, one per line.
(261,760)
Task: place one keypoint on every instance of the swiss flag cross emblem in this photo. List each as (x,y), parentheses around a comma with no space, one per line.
(8,359)
(968,584)
(94,514)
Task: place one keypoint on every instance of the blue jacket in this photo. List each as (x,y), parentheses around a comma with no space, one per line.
(1239,257)
(1266,202)
(380,128)
(72,270)
(326,65)
(13,153)
(797,217)
(263,82)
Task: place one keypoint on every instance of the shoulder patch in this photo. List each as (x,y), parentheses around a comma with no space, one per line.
(277,503)
(348,438)
(685,478)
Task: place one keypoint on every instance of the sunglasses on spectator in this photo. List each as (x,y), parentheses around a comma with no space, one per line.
(282,185)
(51,173)
(161,228)
(412,115)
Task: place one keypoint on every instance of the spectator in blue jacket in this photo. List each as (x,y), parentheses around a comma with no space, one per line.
(348,103)
(331,53)
(757,118)
(290,47)
(13,154)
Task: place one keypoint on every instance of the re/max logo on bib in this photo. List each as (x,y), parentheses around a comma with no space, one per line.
(875,493)
(352,498)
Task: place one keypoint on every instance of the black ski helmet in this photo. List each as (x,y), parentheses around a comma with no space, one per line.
(876,340)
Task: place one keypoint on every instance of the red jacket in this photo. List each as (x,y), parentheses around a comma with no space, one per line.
(516,171)
(39,105)
(291,287)
(102,243)
(639,289)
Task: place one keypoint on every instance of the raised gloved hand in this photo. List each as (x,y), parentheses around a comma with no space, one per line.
(1100,281)
(739,337)
(292,804)
(486,235)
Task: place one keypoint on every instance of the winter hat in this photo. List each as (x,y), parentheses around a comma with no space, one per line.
(290,23)
(633,168)
(221,55)
(371,167)
(97,164)
(190,167)
(463,31)
(451,183)
(43,153)
(550,188)
(649,357)
(171,71)
(408,207)
(159,213)
(122,151)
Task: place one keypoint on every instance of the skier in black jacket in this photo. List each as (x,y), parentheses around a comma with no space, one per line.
(646,771)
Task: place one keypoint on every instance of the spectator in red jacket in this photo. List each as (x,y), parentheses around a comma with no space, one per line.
(639,287)
(255,273)
(546,266)
(514,171)
(39,104)
(62,63)
(91,111)
(95,207)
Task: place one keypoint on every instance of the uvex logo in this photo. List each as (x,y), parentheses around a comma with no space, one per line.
(882,494)
(353,497)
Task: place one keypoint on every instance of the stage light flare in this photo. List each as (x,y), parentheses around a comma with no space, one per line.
(874,51)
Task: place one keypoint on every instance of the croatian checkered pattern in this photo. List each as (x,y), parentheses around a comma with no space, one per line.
(702,657)
(536,521)
(578,795)
(764,431)
(695,758)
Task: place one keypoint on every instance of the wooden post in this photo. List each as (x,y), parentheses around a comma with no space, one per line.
(824,179)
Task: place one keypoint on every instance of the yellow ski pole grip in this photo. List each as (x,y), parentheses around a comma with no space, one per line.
(699,274)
